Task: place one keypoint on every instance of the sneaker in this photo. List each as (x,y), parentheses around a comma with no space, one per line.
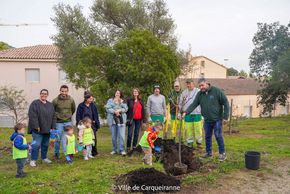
(70,162)
(113,152)
(86,158)
(47,161)
(90,156)
(222,157)
(123,153)
(21,175)
(32,163)
(207,155)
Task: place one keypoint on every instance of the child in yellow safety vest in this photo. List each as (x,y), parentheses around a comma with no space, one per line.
(20,149)
(147,142)
(69,144)
(86,137)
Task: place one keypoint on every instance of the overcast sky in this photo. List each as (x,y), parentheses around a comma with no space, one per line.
(217,29)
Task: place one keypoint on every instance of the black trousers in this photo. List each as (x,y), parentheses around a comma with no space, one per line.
(94,148)
(20,165)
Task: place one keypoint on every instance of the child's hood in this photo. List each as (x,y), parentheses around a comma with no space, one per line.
(14,135)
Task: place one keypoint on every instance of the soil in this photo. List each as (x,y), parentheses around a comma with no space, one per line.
(146,180)
(135,151)
(271,178)
(170,157)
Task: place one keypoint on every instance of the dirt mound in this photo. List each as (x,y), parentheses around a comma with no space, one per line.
(135,151)
(146,180)
(170,157)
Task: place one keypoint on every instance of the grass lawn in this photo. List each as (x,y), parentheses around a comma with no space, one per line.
(269,136)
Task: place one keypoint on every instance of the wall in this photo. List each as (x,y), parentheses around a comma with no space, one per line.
(209,70)
(241,103)
(13,73)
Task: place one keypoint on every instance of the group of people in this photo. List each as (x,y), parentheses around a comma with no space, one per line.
(187,108)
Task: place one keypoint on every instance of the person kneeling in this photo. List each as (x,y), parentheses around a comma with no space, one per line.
(147,140)
(69,144)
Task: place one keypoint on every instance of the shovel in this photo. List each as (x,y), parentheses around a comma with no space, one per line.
(179,167)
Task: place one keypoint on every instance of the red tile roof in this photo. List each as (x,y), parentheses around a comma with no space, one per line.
(43,52)
(234,86)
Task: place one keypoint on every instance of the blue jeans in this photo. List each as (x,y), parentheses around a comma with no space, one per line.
(39,141)
(118,134)
(60,127)
(216,128)
(136,127)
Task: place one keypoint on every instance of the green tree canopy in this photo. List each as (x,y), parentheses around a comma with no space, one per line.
(4,46)
(270,62)
(270,41)
(139,60)
(122,44)
(232,72)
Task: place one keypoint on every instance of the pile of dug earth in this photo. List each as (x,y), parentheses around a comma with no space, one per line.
(146,180)
(170,157)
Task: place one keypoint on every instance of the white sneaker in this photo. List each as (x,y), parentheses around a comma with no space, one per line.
(32,163)
(113,152)
(47,161)
(90,156)
(86,158)
(123,153)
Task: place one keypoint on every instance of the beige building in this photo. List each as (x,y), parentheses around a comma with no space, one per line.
(32,69)
(201,66)
(243,93)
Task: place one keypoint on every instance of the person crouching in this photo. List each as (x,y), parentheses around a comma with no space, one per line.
(147,140)
(69,144)
(86,137)
(20,148)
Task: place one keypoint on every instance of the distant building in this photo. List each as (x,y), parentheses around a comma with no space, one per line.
(201,66)
(243,92)
(32,69)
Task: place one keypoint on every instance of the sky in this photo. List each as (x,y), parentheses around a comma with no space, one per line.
(217,29)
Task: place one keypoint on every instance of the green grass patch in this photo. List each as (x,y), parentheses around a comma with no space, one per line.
(270,136)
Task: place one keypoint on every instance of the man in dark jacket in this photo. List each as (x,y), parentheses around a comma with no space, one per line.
(215,110)
(89,109)
(41,120)
(64,106)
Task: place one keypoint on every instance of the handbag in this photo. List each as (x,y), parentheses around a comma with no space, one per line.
(130,121)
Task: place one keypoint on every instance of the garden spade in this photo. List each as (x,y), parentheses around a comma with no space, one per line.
(179,167)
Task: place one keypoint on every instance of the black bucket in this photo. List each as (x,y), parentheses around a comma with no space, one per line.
(252,160)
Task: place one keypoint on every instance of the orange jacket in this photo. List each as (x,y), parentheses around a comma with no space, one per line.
(152,136)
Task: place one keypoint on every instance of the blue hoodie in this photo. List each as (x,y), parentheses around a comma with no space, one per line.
(18,141)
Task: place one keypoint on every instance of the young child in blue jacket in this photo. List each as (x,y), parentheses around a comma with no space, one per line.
(20,148)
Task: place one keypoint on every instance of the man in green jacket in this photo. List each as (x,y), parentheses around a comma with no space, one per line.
(64,106)
(215,110)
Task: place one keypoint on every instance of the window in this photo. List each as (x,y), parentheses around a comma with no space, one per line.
(62,76)
(32,75)
(202,64)
(247,111)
